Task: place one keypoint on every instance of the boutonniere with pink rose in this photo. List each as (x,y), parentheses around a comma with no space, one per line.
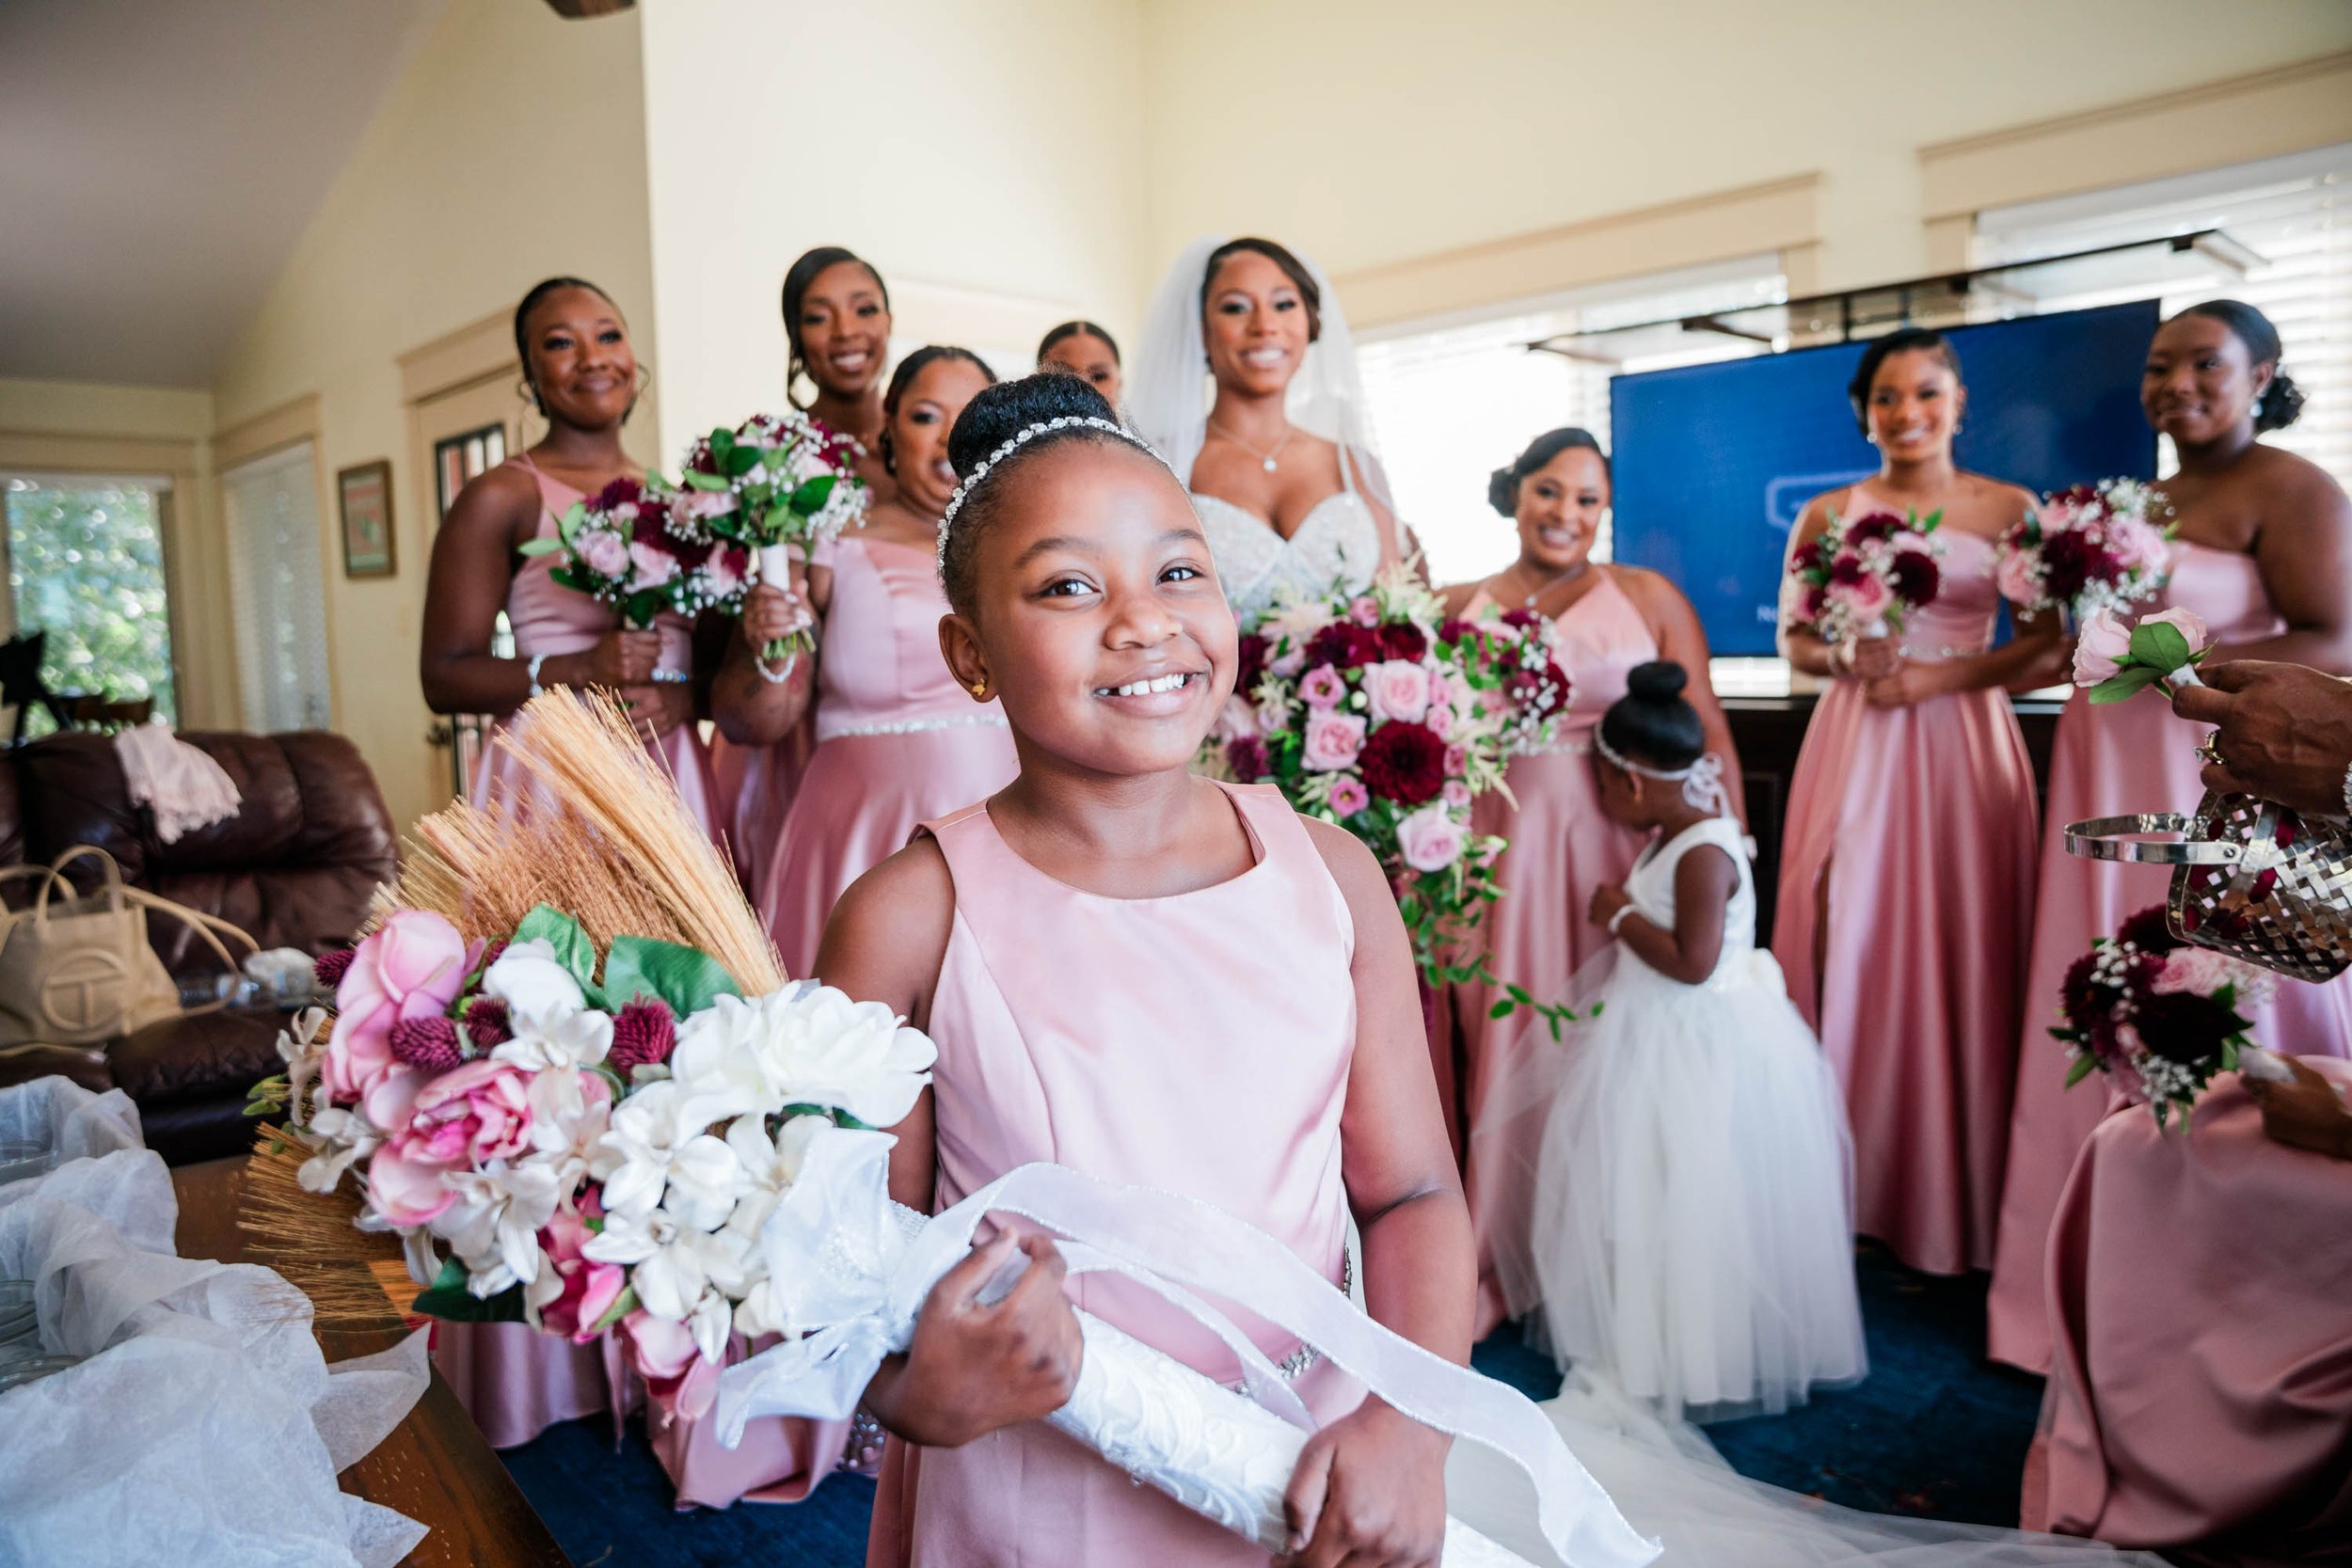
(2116,659)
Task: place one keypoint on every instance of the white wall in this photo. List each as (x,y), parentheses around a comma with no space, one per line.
(513,149)
(1373,131)
(983,156)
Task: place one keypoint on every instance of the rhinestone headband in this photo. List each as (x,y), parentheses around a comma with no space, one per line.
(1702,780)
(1022,438)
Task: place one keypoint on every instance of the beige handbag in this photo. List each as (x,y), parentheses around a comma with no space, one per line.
(76,970)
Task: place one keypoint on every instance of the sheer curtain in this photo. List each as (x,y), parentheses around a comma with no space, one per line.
(279,590)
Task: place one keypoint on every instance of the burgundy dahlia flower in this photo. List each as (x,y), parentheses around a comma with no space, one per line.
(1404,763)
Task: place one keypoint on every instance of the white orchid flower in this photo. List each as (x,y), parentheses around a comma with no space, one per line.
(343,1138)
(493,1225)
(563,1041)
(535,987)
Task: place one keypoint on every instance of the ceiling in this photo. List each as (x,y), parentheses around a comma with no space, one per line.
(158,161)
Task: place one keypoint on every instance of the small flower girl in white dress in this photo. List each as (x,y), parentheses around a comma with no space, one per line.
(1694,1199)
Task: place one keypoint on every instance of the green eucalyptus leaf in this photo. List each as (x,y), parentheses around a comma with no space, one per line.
(687,978)
(541,545)
(708,482)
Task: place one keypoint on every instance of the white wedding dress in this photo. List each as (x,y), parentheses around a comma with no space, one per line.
(1335,549)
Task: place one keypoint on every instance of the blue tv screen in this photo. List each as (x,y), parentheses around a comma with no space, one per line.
(1714,462)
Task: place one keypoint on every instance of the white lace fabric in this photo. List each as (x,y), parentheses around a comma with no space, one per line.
(1337,547)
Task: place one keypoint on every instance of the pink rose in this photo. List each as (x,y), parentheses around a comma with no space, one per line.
(480,1110)
(1457,761)
(1324,688)
(1364,611)
(1867,599)
(1430,839)
(2142,545)
(721,576)
(677,1378)
(411,967)
(2198,971)
(655,566)
(604,552)
(1334,740)
(1348,796)
(2186,622)
(2101,648)
(1399,689)
(1440,718)
(1455,794)
(589,1289)
(2014,577)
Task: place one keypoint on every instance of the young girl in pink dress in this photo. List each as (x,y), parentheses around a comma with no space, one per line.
(2263,555)
(1151,977)
(836,325)
(1609,619)
(898,740)
(576,360)
(1906,877)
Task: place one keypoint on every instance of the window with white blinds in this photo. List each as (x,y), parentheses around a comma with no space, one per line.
(278,592)
(1454,400)
(2293,213)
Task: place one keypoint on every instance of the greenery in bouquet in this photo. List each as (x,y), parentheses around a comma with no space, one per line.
(1864,575)
(643,547)
(2158,1014)
(1379,713)
(776,483)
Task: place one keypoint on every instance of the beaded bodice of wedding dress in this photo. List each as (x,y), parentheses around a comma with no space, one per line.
(1337,546)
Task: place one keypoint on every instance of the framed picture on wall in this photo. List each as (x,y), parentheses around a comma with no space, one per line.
(365,493)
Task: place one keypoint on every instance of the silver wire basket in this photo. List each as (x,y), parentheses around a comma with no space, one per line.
(2252,880)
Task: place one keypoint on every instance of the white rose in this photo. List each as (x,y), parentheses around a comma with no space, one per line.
(808,1045)
(533,983)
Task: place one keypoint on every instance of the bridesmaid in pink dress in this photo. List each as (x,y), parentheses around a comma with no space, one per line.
(836,322)
(2264,554)
(514,1381)
(1609,619)
(1149,977)
(898,740)
(1906,875)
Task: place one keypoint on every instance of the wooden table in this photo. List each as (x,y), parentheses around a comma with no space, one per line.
(434,1467)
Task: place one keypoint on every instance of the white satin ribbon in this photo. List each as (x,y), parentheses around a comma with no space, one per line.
(845,1269)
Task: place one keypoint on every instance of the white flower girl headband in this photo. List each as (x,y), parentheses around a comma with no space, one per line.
(1702,780)
(1022,438)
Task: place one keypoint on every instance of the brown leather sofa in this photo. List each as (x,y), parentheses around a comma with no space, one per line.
(295,868)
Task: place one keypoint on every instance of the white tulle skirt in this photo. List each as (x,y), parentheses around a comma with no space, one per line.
(1693,1242)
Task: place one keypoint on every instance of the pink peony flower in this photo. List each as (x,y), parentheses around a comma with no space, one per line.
(1430,839)
(1399,689)
(604,552)
(2101,648)
(2014,577)
(1324,688)
(589,1289)
(1867,599)
(1333,742)
(411,967)
(2197,970)
(1364,611)
(2186,622)
(677,1378)
(655,566)
(1348,796)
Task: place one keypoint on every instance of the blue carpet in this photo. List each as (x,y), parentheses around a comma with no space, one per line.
(1934,1431)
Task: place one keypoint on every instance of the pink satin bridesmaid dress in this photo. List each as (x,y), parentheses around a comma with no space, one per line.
(2109,760)
(1561,847)
(1058,1041)
(897,740)
(1906,888)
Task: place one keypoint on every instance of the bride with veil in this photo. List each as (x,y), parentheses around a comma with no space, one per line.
(1246,381)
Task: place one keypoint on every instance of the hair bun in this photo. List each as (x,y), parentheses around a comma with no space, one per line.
(1503,491)
(1000,413)
(2282,402)
(1661,680)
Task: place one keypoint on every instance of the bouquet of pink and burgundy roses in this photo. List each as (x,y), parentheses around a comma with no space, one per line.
(775,484)
(2158,1014)
(1863,575)
(1377,712)
(2090,549)
(643,547)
